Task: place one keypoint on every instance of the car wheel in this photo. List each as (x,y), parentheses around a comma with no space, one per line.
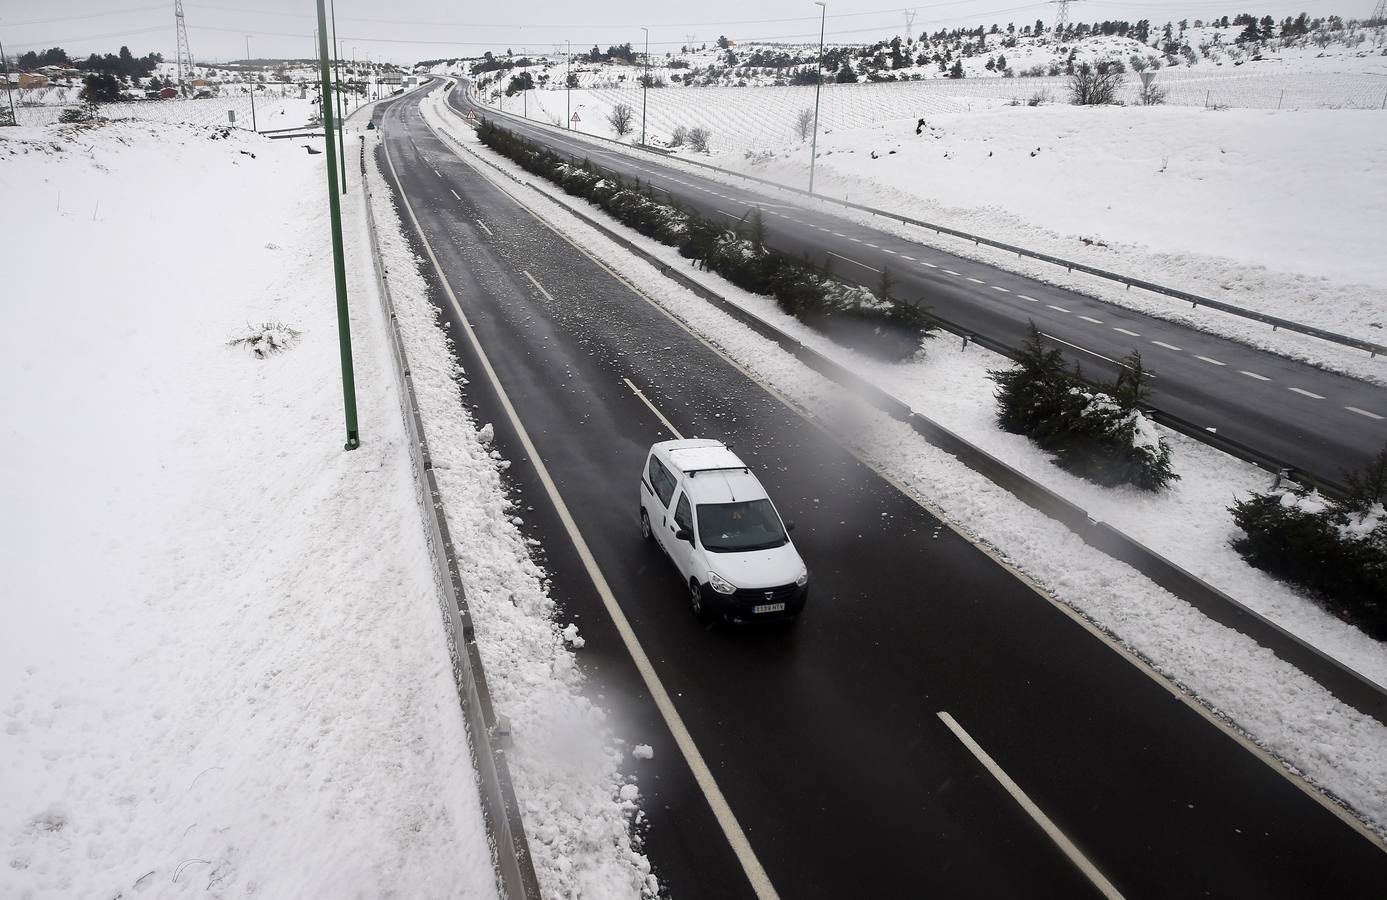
(646,533)
(696,600)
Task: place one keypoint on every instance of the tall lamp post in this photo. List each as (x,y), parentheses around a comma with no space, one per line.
(5,65)
(645,83)
(818,86)
(337,93)
(339,265)
(568,86)
(253,126)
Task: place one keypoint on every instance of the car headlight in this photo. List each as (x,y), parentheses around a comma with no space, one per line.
(803,578)
(720,584)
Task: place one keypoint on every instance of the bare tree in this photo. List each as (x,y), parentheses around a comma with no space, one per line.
(804,122)
(1094,85)
(699,138)
(620,119)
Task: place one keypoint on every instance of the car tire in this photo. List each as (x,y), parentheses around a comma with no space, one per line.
(646,533)
(700,609)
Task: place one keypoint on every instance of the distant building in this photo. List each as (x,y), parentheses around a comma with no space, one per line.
(168,93)
(32,80)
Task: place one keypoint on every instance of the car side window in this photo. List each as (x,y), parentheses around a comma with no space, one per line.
(683,515)
(662,481)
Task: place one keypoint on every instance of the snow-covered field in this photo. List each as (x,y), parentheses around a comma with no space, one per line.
(1274,211)
(221,670)
(1278,706)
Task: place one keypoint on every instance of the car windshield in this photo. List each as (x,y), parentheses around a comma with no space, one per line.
(739,527)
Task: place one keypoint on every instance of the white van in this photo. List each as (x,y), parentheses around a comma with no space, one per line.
(710,515)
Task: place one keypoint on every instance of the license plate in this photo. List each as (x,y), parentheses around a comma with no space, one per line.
(769,608)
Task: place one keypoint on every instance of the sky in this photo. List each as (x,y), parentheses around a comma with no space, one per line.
(405,31)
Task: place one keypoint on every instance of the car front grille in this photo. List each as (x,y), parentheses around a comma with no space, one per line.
(782,594)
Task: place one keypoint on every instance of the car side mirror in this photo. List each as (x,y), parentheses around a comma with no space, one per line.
(789,526)
(684,534)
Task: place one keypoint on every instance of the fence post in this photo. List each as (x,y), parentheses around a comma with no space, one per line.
(1280,98)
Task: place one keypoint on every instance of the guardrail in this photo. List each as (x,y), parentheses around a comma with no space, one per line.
(489,732)
(1343,682)
(1196,300)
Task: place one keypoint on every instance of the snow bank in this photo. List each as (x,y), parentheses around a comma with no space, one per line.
(579,808)
(222,670)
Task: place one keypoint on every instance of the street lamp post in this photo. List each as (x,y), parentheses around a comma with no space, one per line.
(339,266)
(818,86)
(253,126)
(645,83)
(568,86)
(9,95)
(337,93)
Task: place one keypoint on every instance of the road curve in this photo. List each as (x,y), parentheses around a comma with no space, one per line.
(1318,422)
(826,739)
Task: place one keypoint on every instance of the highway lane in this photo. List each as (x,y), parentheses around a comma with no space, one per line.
(1317,421)
(824,738)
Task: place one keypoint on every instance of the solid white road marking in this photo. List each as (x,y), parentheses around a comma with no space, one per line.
(1165,345)
(998,287)
(853,261)
(1211,361)
(454,193)
(1090,352)
(1091,319)
(1066,846)
(732,829)
(1363,412)
(484,228)
(1253,375)
(1056,308)
(659,415)
(1126,332)
(1304,393)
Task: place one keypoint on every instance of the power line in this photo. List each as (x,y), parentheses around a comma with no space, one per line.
(97,15)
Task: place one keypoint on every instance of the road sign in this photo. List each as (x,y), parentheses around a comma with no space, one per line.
(471,115)
(574,118)
(1146,78)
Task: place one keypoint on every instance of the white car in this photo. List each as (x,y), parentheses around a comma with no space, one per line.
(710,515)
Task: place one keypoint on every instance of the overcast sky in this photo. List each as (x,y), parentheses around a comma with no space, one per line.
(404,31)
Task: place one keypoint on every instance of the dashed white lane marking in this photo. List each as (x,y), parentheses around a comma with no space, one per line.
(484,228)
(1253,375)
(853,261)
(929,264)
(1210,360)
(975,280)
(1304,393)
(1363,412)
(952,272)
(870,244)
(436,172)
(1165,345)
(911,258)
(855,240)
(1126,332)
(1030,299)
(659,415)
(997,287)
(703,775)
(836,234)
(1056,308)
(1091,319)
(886,250)
(1065,845)
(454,193)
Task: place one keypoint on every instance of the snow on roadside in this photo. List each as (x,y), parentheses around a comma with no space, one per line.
(1342,298)
(578,806)
(1280,708)
(221,670)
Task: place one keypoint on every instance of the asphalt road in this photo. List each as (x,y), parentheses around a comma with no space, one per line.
(825,737)
(1316,421)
